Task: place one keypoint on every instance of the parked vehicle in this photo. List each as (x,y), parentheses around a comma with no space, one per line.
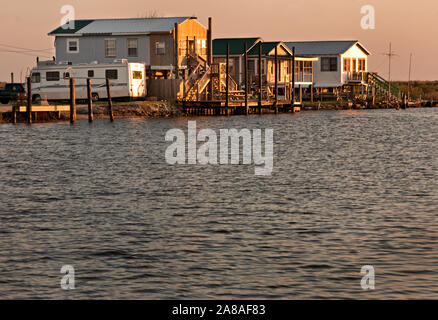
(51,80)
(11,92)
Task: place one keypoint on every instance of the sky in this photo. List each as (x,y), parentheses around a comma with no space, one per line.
(411,27)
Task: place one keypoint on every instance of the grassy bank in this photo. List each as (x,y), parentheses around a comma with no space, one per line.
(423,89)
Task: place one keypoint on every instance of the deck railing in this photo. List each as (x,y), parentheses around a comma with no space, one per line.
(356,77)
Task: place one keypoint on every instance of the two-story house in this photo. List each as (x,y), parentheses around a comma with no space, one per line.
(340,63)
(153,41)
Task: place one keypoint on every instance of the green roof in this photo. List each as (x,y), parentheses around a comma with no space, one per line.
(236,45)
(78,25)
(266,48)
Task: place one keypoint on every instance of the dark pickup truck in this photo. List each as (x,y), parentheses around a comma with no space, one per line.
(11,92)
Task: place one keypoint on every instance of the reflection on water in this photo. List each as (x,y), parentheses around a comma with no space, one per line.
(348,189)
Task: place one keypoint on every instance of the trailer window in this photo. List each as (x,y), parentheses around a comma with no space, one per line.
(137,75)
(111,74)
(90,73)
(52,76)
(36,77)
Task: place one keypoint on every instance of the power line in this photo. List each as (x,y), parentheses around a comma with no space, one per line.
(26,49)
(25,53)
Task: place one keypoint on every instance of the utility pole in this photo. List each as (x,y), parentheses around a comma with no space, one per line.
(390,54)
(409,79)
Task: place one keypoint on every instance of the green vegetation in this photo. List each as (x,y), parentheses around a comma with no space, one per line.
(425,89)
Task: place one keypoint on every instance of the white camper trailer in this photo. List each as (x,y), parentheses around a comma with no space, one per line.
(51,80)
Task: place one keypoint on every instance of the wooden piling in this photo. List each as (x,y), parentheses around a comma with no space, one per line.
(246,77)
(227,87)
(210,56)
(311,93)
(293,78)
(72,101)
(176,51)
(29,101)
(276,79)
(14,115)
(110,102)
(90,101)
(260,79)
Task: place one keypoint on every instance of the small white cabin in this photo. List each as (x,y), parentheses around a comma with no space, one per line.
(51,80)
(339,63)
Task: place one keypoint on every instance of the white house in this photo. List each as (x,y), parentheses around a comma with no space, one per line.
(340,63)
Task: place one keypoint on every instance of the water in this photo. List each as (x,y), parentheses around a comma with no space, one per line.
(349,188)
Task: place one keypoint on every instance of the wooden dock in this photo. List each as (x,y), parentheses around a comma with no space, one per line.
(33,115)
(238,107)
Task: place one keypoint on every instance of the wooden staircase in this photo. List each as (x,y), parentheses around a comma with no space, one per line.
(383,88)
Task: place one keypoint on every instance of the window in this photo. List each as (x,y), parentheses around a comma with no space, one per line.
(333,64)
(137,75)
(362,65)
(251,66)
(347,64)
(111,74)
(132,47)
(110,48)
(329,64)
(354,65)
(72,45)
(90,73)
(36,77)
(66,75)
(52,76)
(160,48)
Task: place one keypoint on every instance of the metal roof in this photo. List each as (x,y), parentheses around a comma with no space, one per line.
(114,26)
(267,47)
(323,47)
(236,45)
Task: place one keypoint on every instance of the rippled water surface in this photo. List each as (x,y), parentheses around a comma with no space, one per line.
(349,188)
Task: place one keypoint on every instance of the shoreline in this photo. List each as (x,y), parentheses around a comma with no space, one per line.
(165,109)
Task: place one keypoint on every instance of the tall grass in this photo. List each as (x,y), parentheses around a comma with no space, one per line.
(425,89)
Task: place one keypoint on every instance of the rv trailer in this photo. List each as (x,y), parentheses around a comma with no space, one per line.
(51,80)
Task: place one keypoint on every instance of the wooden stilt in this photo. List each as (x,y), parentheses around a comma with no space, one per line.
(311,93)
(72,101)
(227,87)
(293,78)
(210,56)
(14,115)
(246,78)
(260,78)
(276,79)
(110,102)
(90,101)
(29,101)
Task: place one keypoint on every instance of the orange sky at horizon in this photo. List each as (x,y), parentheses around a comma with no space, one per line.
(410,26)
